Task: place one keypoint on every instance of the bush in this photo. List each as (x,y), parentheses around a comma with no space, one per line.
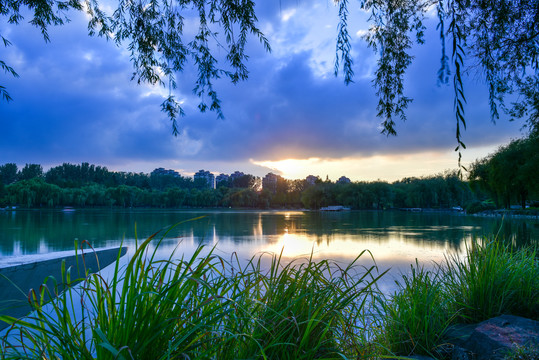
(479,206)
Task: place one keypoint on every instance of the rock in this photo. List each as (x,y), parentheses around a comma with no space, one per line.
(420,357)
(413,357)
(493,339)
(460,353)
(459,334)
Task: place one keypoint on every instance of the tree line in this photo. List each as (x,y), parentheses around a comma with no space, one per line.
(510,175)
(504,178)
(87,185)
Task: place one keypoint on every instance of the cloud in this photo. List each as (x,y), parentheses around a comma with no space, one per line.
(75,102)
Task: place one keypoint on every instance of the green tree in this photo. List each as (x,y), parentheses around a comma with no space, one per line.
(96,195)
(510,173)
(317,196)
(176,197)
(240,197)
(33,193)
(8,173)
(246,181)
(382,194)
(30,171)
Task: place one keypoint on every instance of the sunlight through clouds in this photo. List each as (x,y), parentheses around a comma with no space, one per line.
(292,116)
(378,167)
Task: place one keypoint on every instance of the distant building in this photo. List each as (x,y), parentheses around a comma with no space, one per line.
(162,171)
(311,179)
(343,180)
(207,176)
(269,182)
(221,178)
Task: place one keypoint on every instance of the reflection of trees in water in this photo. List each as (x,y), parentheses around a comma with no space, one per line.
(517,232)
(57,230)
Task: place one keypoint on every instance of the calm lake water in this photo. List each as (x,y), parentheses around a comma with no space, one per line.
(395,239)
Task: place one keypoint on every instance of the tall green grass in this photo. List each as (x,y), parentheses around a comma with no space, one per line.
(490,280)
(202,307)
(303,309)
(493,279)
(416,316)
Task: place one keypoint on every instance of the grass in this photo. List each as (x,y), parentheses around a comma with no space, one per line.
(202,307)
(304,310)
(416,316)
(491,280)
(205,307)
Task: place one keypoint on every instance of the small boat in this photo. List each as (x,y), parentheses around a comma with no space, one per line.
(334,208)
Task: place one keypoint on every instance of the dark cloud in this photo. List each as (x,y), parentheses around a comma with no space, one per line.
(75,102)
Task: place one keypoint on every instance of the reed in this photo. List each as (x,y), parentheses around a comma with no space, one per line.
(493,279)
(202,307)
(416,316)
(304,309)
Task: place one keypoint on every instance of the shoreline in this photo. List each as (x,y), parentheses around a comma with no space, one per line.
(499,213)
(513,214)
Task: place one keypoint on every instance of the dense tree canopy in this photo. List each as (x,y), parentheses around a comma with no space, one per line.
(8,173)
(499,38)
(510,174)
(87,185)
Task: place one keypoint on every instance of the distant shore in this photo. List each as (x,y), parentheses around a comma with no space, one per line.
(532,214)
(513,214)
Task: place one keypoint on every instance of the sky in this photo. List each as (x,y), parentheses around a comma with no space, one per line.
(74,102)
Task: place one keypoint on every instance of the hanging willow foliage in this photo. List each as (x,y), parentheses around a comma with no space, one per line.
(500,38)
(153,32)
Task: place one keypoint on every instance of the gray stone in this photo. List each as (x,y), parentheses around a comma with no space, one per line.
(420,357)
(460,353)
(493,339)
(459,334)
(413,357)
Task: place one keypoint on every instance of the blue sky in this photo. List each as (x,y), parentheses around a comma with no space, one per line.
(74,102)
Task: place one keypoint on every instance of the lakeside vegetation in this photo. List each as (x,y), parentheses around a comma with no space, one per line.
(502,179)
(162,191)
(204,306)
(491,280)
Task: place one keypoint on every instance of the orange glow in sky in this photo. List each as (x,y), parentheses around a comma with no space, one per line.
(378,167)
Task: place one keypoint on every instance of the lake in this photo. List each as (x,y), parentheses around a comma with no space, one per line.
(394,238)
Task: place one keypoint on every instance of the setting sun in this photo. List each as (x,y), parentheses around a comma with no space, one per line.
(386,167)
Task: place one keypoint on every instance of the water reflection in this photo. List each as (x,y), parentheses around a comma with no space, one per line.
(389,235)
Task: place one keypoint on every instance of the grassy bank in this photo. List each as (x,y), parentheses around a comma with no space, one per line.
(206,307)
(491,280)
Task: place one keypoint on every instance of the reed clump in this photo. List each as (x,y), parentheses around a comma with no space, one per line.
(205,307)
(492,279)
(202,307)
(416,316)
